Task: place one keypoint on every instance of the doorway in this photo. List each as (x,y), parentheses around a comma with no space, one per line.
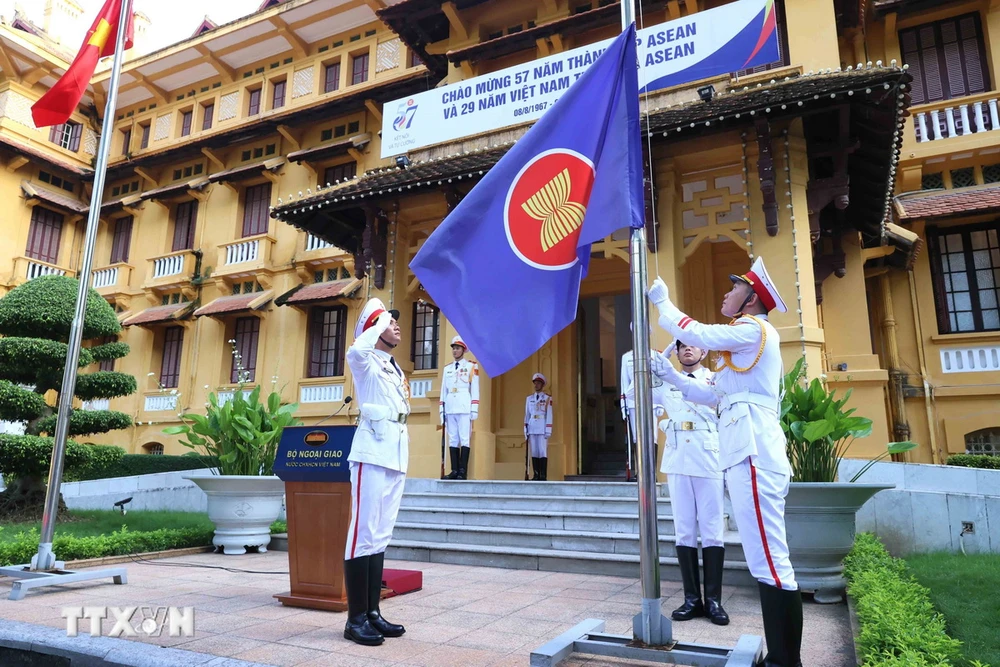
(603,337)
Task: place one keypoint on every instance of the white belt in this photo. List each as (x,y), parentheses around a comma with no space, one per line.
(729,400)
(691,426)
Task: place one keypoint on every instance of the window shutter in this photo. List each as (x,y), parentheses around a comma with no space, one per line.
(184,224)
(315,341)
(206,123)
(170,370)
(255,212)
(973,54)
(247,332)
(44,235)
(911,56)
(122,240)
(934,84)
(74,139)
(940,300)
(55,134)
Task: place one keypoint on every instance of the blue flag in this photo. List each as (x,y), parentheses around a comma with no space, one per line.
(505,266)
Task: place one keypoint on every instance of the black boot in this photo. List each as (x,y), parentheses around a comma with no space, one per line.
(544,461)
(687,558)
(375,596)
(782,612)
(463,464)
(537,467)
(358,629)
(454,474)
(713,557)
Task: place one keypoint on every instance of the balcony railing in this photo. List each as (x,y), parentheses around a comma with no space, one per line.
(419,388)
(97,404)
(246,256)
(226,395)
(171,265)
(316,243)
(172,269)
(321,393)
(160,403)
(105,277)
(957,117)
(970,359)
(243,251)
(37,269)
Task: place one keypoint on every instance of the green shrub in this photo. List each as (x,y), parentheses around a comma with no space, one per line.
(44,308)
(119,543)
(30,455)
(127,465)
(88,422)
(279,527)
(898,624)
(17,404)
(974,461)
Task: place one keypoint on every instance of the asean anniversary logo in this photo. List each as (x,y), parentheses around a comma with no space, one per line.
(545,208)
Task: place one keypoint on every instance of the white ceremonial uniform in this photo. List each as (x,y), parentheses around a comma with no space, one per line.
(538,423)
(691,463)
(460,400)
(752,453)
(380,449)
(628,388)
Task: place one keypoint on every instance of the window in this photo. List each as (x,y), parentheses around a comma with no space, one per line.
(126,141)
(184,223)
(426,326)
(107,364)
(170,368)
(340,172)
(965,263)
(186,123)
(947,58)
(122,240)
(67,135)
(331,77)
(247,332)
(985,442)
(44,235)
(253,108)
(327,329)
(154,449)
(359,69)
(255,209)
(144,141)
(278,95)
(207,116)
(415,60)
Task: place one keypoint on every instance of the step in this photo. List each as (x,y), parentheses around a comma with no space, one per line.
(600,489)
(576,562)
(620,478)
(548,540)
(589,504)
(600,523)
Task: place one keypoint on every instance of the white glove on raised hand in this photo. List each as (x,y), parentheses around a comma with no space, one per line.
(670,350)
(473,415)
(658,364)
(658,292)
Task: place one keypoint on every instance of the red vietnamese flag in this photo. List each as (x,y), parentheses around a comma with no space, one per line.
(61,101)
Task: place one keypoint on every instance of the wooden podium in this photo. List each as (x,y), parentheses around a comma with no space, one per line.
(313,463)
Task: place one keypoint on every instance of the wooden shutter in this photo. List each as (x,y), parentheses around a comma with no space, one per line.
(359,72)
(186,123)
(209,115)
(122,240)
(247,333)
(947,58)
(184,224)
(55,134)
(144,142)
(331,80)
(278,99)
(340,172)
(44,235)
(170,369)
(76,131)
(326,341)
(254,107)
(255,209)
(126,141)
(107,364)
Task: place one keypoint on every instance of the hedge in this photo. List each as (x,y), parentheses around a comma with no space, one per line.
(120,543)
(30,455)
(899,626)
(974,461)
(138,464)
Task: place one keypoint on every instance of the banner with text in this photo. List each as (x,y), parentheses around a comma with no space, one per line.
(733,37)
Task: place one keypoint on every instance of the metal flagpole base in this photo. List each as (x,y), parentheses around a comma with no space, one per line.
(650,626)
(28,578)
(588,638)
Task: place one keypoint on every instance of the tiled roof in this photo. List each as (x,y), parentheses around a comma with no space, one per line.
(318,292)
(176,188)
(247,170)
(160,314)
(957,202)
(56,198)
(29,151)
(239,303)
(329,150)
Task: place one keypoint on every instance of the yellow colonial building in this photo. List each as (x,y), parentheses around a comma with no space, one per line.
(247,202)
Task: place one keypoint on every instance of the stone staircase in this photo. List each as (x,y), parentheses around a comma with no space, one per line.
(581,527)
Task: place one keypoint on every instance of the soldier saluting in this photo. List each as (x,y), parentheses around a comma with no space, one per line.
(459,406)
(538,427)
(746,393)
(378,459)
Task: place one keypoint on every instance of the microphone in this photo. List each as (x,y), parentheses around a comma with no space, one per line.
(347,399)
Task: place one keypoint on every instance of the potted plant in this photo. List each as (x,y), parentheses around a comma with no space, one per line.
(819,510)
(243,432)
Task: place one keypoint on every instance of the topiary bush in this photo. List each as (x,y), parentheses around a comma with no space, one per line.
(127,465)
(974,461)
(35,323)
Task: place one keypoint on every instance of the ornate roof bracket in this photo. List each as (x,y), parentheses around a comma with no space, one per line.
(834,262)
(373,251)
(765,172)
(822,192)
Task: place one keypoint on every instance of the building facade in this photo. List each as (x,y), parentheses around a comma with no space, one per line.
(247,208)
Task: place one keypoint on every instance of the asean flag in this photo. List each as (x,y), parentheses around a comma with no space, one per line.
(505,266)
(57,105)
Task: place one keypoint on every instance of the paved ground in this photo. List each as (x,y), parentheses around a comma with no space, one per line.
(463,617)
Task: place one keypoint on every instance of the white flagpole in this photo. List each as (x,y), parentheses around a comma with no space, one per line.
(45,558)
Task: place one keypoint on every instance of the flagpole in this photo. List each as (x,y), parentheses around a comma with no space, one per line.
(45,558)
(650,625)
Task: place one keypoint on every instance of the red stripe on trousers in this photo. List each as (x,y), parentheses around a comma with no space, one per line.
(357,513)
(760,525)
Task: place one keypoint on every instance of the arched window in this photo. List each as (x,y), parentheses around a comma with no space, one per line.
(984,441)
(154,448)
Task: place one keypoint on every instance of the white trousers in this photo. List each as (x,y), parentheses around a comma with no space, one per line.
(539,446)
(375,496)
(697,505)
(459,429)
(758,498)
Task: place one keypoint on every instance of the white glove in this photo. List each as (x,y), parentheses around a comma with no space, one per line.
(383,321)
(659,411)
(658,292)
(664,426)
(473,415)
(548,434)
(525,431)
(624,410)
(658,365)
(670,350)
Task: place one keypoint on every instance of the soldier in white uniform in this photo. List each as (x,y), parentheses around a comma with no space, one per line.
(691,463)
(459,406)
(379,454)
(746,391)
(538,427)
(627,400)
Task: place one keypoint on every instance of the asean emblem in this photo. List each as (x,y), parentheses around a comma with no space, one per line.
(545,208)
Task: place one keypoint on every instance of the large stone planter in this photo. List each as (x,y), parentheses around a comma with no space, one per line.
(820,527)
(242,507)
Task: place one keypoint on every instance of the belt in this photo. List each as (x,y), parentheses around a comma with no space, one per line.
(691,426)
(729,400)
(399,419)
